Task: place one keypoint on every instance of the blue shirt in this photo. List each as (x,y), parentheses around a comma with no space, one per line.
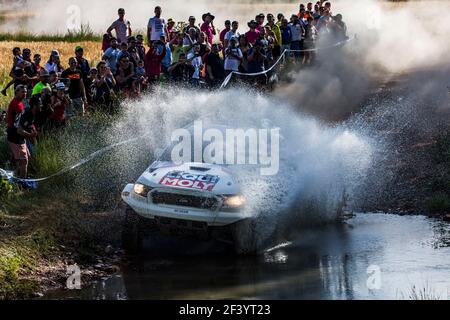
(286,35)
(112,57)
(167,61)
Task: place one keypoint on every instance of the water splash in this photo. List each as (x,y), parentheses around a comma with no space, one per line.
(318,163)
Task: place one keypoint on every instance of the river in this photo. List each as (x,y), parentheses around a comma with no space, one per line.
(372,256)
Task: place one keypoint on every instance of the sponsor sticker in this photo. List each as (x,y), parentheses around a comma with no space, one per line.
(191,181)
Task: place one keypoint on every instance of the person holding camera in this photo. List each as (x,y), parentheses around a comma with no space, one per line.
(233,56)
(215,72)
(182,70)
(256,61)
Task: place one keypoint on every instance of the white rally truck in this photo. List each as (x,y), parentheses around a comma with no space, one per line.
(197,199)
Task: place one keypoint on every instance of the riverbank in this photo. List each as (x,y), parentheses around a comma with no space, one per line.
(411,120)
(40,239)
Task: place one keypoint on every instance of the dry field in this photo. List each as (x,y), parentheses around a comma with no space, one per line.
(92,53)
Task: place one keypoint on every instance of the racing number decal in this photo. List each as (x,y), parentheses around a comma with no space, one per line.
(188,180)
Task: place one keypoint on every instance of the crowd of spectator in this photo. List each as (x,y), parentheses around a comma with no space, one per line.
(47,95)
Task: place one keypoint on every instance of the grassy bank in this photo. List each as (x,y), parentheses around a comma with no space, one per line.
(82,35)
(69,219)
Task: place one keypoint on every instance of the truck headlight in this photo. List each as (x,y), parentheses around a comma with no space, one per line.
(233,203)
(141,189)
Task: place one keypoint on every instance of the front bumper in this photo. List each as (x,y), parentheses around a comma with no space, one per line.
(145,208)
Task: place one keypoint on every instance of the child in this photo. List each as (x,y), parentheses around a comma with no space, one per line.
(106,43)
(141,75)
(59,102)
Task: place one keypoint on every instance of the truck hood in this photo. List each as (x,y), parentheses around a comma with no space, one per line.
(192,176)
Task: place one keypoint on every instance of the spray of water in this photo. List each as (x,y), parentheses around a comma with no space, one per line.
(318,163)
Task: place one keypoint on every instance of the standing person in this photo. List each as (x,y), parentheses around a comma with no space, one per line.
(83,64)
(244,46)
(233,56)
(197,63)
(215,72)
(21,127)
(260,21)
(191,37)
(133,51)
(153,60)
(286,35)
(111,55)
(77,91)
(316,13)
(156,26)
(170,29)
(224,32)
(176,47)
(121,26)
(106,42)
(257,60)
(167,60)
(140,46)
(273,27)
(208,27)
(59,102)
(54,63)
(191,24)
(297,31)
(253,34)
(280,18)
(17,57)
(103,84)
(233,33)
(44,79)
(36,67)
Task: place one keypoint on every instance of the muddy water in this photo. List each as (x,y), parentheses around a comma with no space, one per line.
(373,256)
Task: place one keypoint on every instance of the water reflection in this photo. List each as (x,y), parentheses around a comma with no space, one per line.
(326,263)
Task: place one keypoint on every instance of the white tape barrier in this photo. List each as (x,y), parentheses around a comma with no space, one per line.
(90,157)
(282,56)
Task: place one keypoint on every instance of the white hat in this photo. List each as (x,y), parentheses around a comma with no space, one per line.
(60,86)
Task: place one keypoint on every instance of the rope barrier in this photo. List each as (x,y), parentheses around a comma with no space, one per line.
(282,56)
(10,176)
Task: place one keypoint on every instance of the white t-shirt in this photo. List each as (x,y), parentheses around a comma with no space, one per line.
(231,34)
(158,26)
(121,28)
(196,63)
(296,31)
(232,63)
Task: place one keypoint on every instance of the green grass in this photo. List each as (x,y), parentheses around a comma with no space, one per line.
(19,257)
(51,214)
(85,33)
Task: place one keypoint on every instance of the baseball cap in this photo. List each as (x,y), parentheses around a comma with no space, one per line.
(60,86)
(78,48)
(44,73)
(55,53)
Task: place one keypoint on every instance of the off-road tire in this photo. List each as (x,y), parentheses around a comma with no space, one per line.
(132,236)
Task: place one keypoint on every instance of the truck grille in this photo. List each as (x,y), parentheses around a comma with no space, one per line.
(182,200)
